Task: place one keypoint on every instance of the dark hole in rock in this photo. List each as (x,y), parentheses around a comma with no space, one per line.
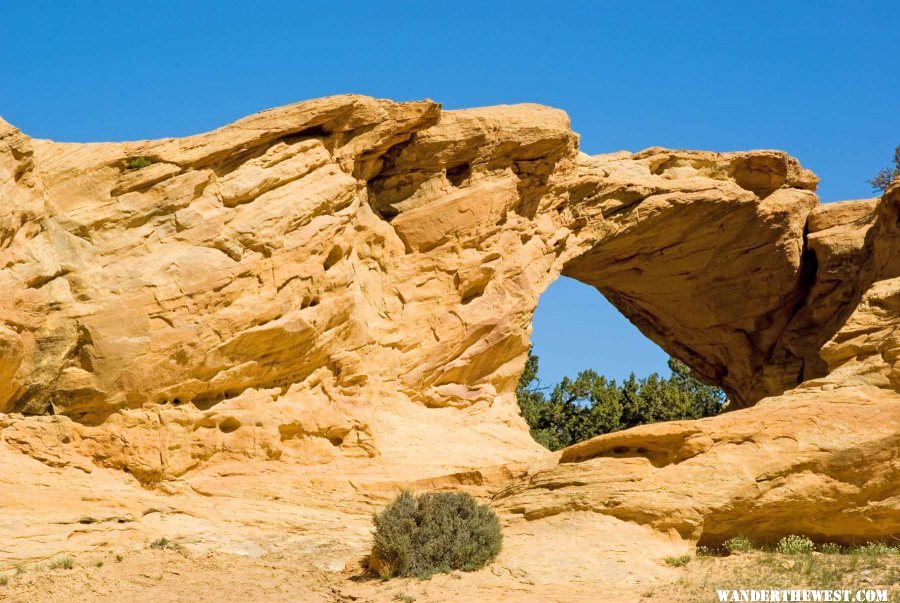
(229,425)
(459,174)
(334,256)
(388,212)
(319,131)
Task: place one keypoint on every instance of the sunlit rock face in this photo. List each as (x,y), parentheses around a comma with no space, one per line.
(377,245)
(349,282)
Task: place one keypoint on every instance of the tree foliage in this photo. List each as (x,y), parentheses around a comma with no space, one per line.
(137,163)
(883,179)
(591,405)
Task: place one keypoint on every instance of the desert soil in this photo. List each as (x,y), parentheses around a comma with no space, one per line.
(177,574)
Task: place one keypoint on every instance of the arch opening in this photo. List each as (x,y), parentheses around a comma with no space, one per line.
(575,328)
(600,374)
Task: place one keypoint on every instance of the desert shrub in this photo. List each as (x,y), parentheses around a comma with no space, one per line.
(61,563)
(136,163)
(4,580)
(161,543)
(795,545)
(704,551)
(885,177)
(830,548)
(679,561)
(404,598)
(875,549)
(432,533)
(738,544)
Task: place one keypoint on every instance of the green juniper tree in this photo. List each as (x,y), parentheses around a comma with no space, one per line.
(591,405)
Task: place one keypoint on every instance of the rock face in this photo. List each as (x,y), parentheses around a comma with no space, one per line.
(348,283)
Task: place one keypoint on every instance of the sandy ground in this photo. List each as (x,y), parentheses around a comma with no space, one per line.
(164,576)
(264,533)
(177,574)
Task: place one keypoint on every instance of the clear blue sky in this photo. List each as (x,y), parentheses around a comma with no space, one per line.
(814,78)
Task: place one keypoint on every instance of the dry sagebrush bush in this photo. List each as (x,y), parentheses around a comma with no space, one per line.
(432,533)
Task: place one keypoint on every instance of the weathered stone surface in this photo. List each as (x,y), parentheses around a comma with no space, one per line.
(326,300)
(388,245)
(819,463)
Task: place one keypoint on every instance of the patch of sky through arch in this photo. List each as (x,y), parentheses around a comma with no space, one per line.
(575,328)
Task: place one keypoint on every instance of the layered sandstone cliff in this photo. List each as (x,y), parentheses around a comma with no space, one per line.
(341,291)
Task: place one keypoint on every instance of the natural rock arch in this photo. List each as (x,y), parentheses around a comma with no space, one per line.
(346,280)
(430,292)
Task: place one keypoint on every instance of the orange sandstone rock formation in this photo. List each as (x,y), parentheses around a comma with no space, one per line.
(321,301)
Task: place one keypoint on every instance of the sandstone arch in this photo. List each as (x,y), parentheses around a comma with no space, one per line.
(489,204)
(349,282)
